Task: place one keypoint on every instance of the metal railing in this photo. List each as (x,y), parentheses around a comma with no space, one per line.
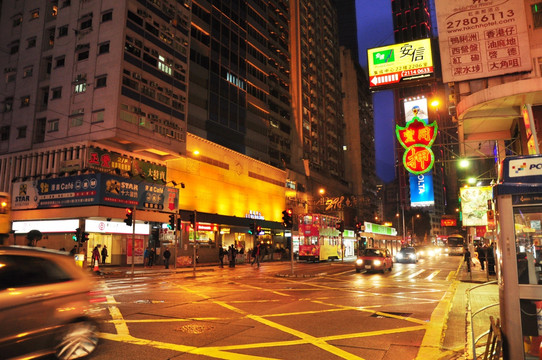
(493,345)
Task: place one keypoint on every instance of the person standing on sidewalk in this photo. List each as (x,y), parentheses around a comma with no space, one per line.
(256,255)
(221,253)
(167,255)
(104,254)
(481,256)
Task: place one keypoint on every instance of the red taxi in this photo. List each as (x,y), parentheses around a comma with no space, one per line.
(374,259)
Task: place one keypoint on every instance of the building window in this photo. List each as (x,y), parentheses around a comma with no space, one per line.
(56,93)
(63,31)
(11,76)
(98,116)
(35,14)
(31,42)
(85,22)
(21,132)
(82,55)
(17,20)
(4,133)
(107,16)
(60,61)
(14,47)
(101,81)
(52,125)
(164,65)
(80,83)
(76,118)
(8,104)
(25,101)
(536,10)
(103,48)
(27,71)
(65,3)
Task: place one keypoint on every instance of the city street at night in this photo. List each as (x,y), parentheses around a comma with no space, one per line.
(323,311)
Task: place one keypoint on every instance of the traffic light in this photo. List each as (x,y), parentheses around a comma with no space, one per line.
(171,224)
(359,228)
(258,230)
(129,217)
(252,229)
(340,226)
(192,219)
(84,237)
(77,235)
(287,218)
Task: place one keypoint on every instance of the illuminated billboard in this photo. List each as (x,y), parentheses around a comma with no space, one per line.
(397,64)
(421,190)
(479,39)
(474,204)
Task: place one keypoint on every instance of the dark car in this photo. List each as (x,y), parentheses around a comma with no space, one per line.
(47,305)
(407,255)
(373,259)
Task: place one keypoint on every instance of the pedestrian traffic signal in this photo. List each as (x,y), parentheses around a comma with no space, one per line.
(84,237)
(258,230)
(287,218)
(77,235)
(171,224)
(252,229)
(340,226)
(129,217)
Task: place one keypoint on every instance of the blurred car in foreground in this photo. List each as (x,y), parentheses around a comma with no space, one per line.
(407,255)
(47,305)
(373,259)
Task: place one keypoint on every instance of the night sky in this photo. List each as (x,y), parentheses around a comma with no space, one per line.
(375,28)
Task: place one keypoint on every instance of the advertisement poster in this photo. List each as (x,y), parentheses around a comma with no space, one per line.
(479,39)
(421,190)
(139,250)
(474,205)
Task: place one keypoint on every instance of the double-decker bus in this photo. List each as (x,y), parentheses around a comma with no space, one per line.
(5,213)
(318,237)
(455,245)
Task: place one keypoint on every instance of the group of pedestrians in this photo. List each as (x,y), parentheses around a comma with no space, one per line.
(148,257)
(484,255)
(231,254)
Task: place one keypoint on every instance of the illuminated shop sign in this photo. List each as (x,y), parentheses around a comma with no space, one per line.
(394,64)
(421,190)
(446,222)
(416,137)
(93,189)
(474,202)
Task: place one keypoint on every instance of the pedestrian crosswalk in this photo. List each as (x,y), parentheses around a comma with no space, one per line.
(427,274)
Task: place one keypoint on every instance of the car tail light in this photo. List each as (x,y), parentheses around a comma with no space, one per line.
(96,297)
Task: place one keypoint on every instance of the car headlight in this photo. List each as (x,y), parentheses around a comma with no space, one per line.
(359,262)
(399,256)
(377,262)
(411,256)
(420,252)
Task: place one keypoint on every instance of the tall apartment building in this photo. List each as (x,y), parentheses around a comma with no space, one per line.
(412,20)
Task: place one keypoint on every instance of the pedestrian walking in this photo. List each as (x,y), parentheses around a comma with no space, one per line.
(104,254)
(256,255)
(74,250)
(481,256)
(167,254)
(152,255)
(221,254)
(96,256)
(146,255)
(467,258)
(490,256)
(232,253)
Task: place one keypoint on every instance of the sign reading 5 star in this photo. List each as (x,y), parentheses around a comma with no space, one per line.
(417,137)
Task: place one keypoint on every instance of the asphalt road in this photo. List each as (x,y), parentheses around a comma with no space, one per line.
(322,311)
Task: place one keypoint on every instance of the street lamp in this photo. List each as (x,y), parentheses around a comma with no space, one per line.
(413,233)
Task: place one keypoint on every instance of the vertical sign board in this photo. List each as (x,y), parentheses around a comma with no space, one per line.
(474,204)
(479,39)
(421,190)
(416,107)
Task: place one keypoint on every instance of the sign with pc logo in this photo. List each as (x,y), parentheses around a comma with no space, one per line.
(526,169)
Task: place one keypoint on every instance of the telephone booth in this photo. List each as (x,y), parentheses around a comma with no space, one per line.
(518,201)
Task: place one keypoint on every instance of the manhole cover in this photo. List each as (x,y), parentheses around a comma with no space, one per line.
(194,328)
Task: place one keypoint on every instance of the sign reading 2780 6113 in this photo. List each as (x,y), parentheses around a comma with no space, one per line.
(393,65)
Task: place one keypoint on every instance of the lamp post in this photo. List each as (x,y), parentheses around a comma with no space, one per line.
(413,232)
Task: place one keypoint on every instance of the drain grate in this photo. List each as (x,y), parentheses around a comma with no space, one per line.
(383,315)
(194,328)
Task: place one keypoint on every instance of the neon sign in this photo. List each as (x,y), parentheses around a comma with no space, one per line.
(417,137)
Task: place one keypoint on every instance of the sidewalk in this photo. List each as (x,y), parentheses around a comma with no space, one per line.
(458,332)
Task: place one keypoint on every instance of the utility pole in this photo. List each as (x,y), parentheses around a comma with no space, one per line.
(133,238)
(195,239)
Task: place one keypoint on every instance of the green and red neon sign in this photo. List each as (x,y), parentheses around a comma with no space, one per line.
(417,137)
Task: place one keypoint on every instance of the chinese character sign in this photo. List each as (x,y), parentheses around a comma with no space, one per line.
(417,137)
